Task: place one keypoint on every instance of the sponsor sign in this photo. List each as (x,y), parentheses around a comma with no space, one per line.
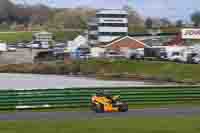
(191,33)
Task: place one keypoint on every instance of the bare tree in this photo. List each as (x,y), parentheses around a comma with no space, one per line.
(149,23)
(165,22)
(133,16)
(195,17)
(179,23)
(6,11)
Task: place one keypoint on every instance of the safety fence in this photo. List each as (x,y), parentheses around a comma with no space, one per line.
(80,97)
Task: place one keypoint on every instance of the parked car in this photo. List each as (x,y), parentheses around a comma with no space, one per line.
(21,45)
(12,48)
(58,49)
(196,59)
(184,56)
(175,56)
(35,46)
(44,46)
(60,44)
(85,56)
(134,53)
(113,54)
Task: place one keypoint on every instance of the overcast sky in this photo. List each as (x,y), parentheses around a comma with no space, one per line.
(173,9)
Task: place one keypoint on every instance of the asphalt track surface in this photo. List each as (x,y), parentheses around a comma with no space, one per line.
(159,112)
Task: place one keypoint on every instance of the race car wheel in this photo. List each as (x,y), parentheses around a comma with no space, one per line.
(123,107)
(99,108)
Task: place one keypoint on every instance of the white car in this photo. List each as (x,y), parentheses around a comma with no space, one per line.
(45,46)
(11,49)
(114,55)
(196,59)
(60,45)
(20,45)
(174,58)
(35,46)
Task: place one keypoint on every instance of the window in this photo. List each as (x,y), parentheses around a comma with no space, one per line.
(93,37)
(112,33)
(93,28)
(114,24)
(111,15)
(175,54)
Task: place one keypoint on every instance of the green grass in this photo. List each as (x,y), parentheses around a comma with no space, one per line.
(106,125)
(105,69)
(131,106)
(13,37)
(151,69)
(66,35)
(142,29)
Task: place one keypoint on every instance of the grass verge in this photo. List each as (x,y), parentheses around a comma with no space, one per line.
(106,125)
(12,37)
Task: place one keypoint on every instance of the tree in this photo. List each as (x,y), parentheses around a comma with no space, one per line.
(179,23)
(6,11)
(76,18)
(165,22)
(195,18)
(134,17)
(40,14)
(149,23)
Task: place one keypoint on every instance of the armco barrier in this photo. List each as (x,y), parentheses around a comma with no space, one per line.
(80,97)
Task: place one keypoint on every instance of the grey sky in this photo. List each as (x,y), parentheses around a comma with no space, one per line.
(173,9)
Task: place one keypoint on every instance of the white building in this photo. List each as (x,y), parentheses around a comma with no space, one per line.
(93,32)
(110,24)
(43,36)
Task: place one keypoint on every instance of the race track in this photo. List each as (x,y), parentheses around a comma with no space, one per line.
(159,112)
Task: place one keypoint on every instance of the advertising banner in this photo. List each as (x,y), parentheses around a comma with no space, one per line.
(191,33)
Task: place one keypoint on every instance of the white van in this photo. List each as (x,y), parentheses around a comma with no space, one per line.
(3,47)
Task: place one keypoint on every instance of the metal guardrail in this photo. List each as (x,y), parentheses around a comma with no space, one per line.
(80,97)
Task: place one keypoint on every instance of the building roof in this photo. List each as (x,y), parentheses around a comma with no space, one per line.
(111,11)
(122,38)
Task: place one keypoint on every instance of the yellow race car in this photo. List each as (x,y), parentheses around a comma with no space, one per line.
(106,103)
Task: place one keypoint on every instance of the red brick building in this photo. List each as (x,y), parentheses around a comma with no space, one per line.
(126,42)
